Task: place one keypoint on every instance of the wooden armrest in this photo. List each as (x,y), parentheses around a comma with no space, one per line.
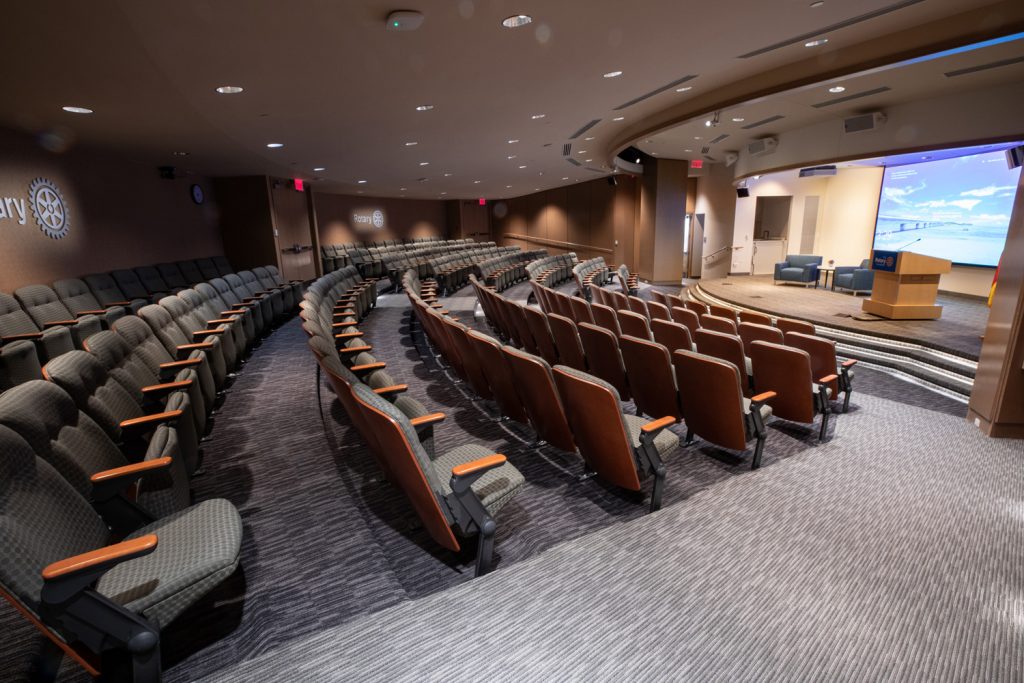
(166,386)
(203,333)
(100,311)
(764,396)
(154,419)
(251,299)
(55,323)
(136,469)
(481,464)
(234,312)
(125,550)
(119,303)
(188,362)
(197,345)
(849,363)
(220,321)
(432,418)
(394,389)
(658,424)
(24,335)
(348,335)
(380,365)
(828,378)
(355,349)
(342,324)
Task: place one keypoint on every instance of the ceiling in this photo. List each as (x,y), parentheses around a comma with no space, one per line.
(339,91)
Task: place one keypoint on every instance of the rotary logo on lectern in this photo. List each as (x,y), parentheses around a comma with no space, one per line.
(47,203)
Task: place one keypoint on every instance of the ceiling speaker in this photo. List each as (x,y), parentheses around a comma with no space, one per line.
(763,146)
(742,192)
(864,122)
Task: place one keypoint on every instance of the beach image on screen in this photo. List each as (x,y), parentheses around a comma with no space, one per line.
(957,209)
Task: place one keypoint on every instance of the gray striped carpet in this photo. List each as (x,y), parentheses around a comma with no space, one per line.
(328,543)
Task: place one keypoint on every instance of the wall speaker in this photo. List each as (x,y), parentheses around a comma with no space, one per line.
(742,192)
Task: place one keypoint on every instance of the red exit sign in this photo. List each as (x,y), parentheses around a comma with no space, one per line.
(697,163)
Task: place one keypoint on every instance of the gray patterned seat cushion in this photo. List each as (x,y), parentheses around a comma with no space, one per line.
(666,442)
(494,488)
(198,548)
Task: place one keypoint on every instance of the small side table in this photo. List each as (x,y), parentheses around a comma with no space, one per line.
(828,271)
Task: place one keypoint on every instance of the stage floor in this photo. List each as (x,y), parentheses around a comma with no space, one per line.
(958,331)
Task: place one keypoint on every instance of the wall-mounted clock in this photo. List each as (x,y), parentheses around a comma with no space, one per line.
(197,194)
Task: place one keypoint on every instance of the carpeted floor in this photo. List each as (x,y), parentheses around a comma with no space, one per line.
(328,543)
(958,331)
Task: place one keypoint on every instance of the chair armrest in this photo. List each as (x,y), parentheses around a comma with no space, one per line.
(342,324)
(394,389)
(192,347)
(251,299)
(763,397)
(119,303)
(348,335)
(827,379)
(187,363)
(849,363)
(24,335)
(102,558)
(778,269)
(57,323)
(355,349)
(109,483)
(478,466)
(380,365)
(147,421)
(220,321)
(234,312)
(165,388)
(657,425)
(424,420)
(204,333)
(100,311)
(843,270)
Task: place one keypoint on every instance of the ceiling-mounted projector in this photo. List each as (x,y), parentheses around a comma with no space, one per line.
(405,20)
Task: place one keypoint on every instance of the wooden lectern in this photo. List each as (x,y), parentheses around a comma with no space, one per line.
(906,285)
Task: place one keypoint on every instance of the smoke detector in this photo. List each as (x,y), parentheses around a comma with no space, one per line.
(405,20)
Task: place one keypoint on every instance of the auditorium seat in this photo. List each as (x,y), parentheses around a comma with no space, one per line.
(651,379)
(16,325)
(290,293)
(498,375)
(697,307)
(473,372)
(787,372)
(195,327)
(605,317)
(130,284)
(516,313)
(727,347)
(638,306)
(619,447)
(633,324)
(79,300)
(180,344)
(665,299)
(718,324)
(65,436)
(222,265)
(58,570)
(42,304)
(108,293)
(629,283)
(295,285)
(672,335)
(601,349)
(154,283)
(276,297)
(247,295)
(719,412)
(723,312)
(567,341)
(749,333)
(542,335)
(581,310)
(684,316)
(463,489)
(788,325)
(216,306)
(822,353)
(19,362)
(658,311)
(538,395)
(208,268)
(234,302)
(210,317)
(172,275)
(190,270)
(620,301)
(755,318)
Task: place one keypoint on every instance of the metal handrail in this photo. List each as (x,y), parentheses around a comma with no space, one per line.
(719,251)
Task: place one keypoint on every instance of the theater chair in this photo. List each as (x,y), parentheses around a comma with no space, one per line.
(290,293)
(463,489)
(249,295)
(720,413)
(619,447)
(190,270)
(718,324)
(658,311)
(567,341)
(154,283)
(473,372)
(823,363)
(276,297)
(108,294)
(535,386)
(749,333)
(208,268)
(672,335)
(19,363)
(581,310)
(787,371)
(666,300)
(172,275)
(620,302)
(86,596)
(144,343)
(755,318)
(697,307)
(77,298)
(727,347)
(651,379)
(542,334)
(128,414)
(601,349)
(724,312)
(629,283)
(788,325)
(216,306)
(638,306)
(633,324)
(42,304)
(129,283)
(516,313)
(195,327)
(66,437)
(222,265)
(498,375)
(206,313)
(180,345)
(799,269)
(234,302)
(605,317)
(276,276)
(684,316)
(17,326)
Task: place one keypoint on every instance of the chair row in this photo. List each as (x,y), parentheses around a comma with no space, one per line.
(371,257)
(503,271)
(552,270)
(591,271)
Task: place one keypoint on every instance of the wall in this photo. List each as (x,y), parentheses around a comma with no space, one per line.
(403,218)
(716,199)
(121,214)
(848,219)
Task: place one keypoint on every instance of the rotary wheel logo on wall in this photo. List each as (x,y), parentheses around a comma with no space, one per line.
(48,208)
(378,219)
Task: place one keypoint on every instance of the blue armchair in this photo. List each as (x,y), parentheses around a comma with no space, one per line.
(855,279)
(799,268)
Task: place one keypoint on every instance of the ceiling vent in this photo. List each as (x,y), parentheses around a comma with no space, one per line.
(817,171)
(566,149)
(763,146)
(854,96)
(721,137)
(705,149)
(762,122)
(573,161)
(658,91)
(864,122)
(984,67)
(584,129)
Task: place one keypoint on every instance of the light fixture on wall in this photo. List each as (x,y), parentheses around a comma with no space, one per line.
(275,145)
(77,110)
(424,107)
(230,89)
(816,43)
(837,89)
(516,20)
(613,74)
(320,168)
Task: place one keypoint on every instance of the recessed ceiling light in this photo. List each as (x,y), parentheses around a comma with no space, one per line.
(816,43)
(229,89)
(511,156)
(522,167)
(77,110)
(275,145)
(403,189)
(508,187)
(516,20)
(587,160)
(582,151)
(361,182)
(180,154)
(817,3)
(424,163)
(757,177)
(613,74)
(589,139)
(447,175)
(687,150)
(411,144)
(425,107)
(512,142)
(837,88)
(476,182)
(565,178)
(537,116)
(619,118)
(320,168)
(443,193)
(738,119)
(697,137)
(684,88)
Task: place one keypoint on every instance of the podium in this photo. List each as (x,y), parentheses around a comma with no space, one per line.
(906,285)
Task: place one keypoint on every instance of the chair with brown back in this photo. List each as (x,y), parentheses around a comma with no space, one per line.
(516,315)
(474,373)
(598,295)
(672,335)
(638,305)
(787,371)
(790,325)
(620,448)
(580,310)
(562,304)
(619,300)
(718,324)
(541,331)
(658,311)
(824,362)
(719,413)
(498,375)
(724,312)
(601,348)
(684,316)
(649,371)
(696,306)
(462,489)
(633,324)
(605,317)
(539,398)
(755,318)
(750,332)
(727,347)
(567,341)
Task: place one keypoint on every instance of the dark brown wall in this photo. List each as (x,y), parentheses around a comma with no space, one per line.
(403,218)
(586,218)
(122,214)
(246,221)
